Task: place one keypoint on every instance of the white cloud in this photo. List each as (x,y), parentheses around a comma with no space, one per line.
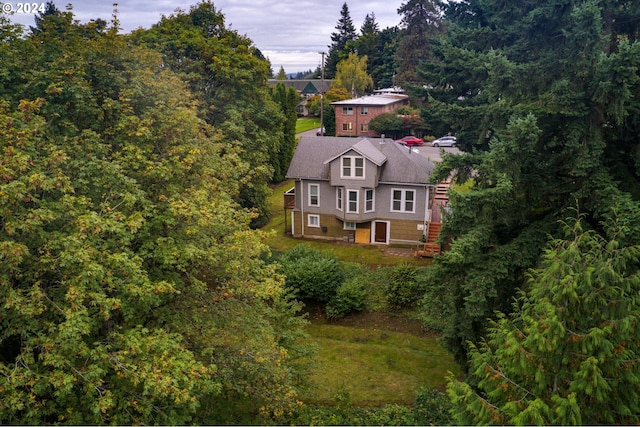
(289,32)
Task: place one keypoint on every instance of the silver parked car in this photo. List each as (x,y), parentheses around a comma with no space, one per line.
(445,141)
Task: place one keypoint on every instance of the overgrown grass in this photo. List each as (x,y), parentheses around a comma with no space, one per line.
(371,366)
(307,123)
(374,367)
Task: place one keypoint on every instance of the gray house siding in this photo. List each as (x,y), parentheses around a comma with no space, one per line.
(371,172)
(398,210)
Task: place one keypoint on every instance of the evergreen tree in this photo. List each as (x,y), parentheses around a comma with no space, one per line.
(546,114)
(383,63)
(287,99)
(368,42)
(281,74)
(341,39)
(568,354)
(421,21)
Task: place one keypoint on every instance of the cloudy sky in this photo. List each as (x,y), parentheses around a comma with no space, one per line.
(289,32)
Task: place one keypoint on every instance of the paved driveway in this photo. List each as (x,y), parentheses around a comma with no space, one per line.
(433,153)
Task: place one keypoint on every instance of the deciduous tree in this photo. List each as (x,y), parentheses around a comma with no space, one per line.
(229,76)
(352,75)
(133,290)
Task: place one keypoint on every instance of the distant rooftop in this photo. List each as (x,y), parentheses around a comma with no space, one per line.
(389,90)
(372,100)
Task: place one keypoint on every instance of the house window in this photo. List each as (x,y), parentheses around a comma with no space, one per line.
(314,195)
(339,198)
(369,202)
(364,127)
(352,201)
(313,220)
(364,111)
(347,111)
(352,167)
(349,225)
(347,126)
(403,201)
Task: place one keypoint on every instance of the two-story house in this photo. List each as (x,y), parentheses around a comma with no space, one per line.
(365,190)
(353,115)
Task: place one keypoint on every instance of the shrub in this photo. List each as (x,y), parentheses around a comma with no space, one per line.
(350,296)
(311,274)
(404,286)
(432,408)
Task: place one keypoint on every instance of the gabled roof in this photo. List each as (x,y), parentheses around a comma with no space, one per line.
(305,86)
(313,155)
(310,89)
(366,150)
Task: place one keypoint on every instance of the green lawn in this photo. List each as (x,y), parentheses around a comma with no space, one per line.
(307,123)
(374,366)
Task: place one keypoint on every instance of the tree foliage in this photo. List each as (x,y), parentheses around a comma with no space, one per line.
(341,42)
(225,70)
(529,90)
(352,76)
(568,354)
(421,21)
(287,99)
(133,289)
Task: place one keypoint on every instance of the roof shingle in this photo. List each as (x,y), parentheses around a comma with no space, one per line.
(398,165)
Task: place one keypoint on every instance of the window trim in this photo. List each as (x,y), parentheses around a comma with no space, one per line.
(352,167)
(403,200)
(339,199)
(373,200)
(347,111)
(317,195)
(313,216)
(364,111)
(349,201)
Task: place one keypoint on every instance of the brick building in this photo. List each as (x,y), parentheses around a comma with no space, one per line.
(353,115)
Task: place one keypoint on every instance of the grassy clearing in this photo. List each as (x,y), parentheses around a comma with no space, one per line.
(373,366)
(372,363)
(307,123)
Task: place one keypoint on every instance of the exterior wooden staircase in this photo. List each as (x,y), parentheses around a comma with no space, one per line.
(430,247)
(440,200)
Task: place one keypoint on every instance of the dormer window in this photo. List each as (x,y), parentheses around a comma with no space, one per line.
(352,167)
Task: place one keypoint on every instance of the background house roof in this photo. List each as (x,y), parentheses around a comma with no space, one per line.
(373,100)
(314,153)
(306,86)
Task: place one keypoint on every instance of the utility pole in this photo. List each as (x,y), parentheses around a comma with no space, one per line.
(322,96)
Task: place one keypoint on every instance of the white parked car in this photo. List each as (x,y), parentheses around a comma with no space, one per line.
(445,141)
